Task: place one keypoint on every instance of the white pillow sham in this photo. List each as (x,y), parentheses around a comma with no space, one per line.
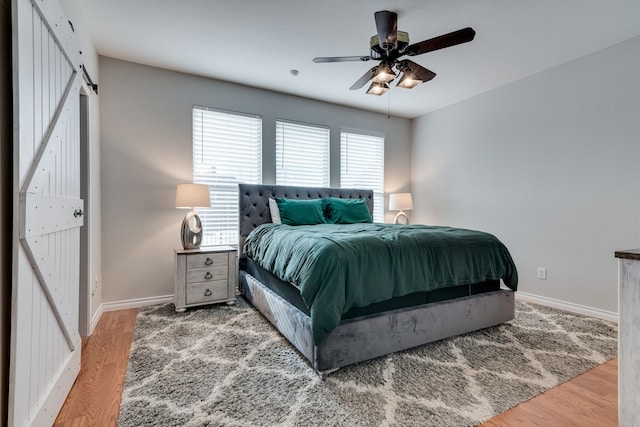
(275,211)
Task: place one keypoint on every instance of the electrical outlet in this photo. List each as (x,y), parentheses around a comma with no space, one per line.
(542,273)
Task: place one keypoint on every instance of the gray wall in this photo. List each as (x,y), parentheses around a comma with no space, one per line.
(145,116)
(551,165)
(6,200)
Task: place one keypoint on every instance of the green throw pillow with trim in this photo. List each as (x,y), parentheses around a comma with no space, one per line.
(346,211)
(301,212)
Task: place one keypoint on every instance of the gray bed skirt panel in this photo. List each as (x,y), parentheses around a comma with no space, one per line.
(367,337)
(291,322)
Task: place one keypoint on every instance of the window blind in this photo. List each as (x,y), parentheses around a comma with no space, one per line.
(362,166)
(227,150)
(302,154)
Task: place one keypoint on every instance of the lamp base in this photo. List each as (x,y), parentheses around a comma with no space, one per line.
(401,218)
(191,232)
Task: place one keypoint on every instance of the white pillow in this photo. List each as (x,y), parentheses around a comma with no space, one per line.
(275,212)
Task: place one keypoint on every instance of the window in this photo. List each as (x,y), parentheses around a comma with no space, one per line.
(302,154)
(227,150)
(362,166)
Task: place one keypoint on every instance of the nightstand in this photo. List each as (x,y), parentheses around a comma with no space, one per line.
(204,276)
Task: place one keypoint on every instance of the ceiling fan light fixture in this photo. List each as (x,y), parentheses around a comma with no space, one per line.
(409,80)
(383,74)
(377,88)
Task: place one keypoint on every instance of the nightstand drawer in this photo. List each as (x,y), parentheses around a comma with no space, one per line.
(210,274)
(207,291)
(207,260)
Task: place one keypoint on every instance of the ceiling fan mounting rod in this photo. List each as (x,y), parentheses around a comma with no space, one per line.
(387,26)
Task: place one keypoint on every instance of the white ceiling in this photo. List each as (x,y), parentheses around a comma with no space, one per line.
(257,43)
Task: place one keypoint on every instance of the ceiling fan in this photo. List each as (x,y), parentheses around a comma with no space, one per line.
(389,46)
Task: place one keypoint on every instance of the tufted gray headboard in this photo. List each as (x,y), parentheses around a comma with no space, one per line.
(254,202)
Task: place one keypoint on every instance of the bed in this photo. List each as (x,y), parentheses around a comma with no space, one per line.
(361,329)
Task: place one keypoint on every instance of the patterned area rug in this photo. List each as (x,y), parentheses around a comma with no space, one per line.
(222,365)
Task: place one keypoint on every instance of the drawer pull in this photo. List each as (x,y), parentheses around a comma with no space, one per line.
(208,261)
(208,276)
(207,293)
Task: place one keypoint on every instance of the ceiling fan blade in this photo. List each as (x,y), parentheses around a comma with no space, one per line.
(387,28)
(440,42)
(321,59)
(364,79)
(421,73)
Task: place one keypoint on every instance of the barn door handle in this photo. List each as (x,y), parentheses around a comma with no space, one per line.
(77,213)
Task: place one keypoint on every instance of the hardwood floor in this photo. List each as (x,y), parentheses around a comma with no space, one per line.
(94,399)
(590,399)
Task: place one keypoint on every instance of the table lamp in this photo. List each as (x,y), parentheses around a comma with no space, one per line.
(400,202)
(192,196)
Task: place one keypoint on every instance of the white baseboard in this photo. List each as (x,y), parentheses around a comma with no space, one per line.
(569,306)
(551,302)
(135,303)
(96,318)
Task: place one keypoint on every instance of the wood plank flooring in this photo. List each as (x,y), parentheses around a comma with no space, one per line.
(94,399)
(590,399)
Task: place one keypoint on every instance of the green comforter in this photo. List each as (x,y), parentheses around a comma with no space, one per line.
(337,267)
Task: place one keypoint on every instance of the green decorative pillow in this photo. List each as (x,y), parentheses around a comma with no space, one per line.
(301,212)
(346,211)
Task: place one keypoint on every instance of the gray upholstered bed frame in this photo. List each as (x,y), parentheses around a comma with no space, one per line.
(365,337)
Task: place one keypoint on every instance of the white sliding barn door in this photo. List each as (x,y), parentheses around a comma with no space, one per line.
(45,343)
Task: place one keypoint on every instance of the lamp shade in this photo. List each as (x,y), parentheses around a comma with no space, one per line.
(193,196)
(400,202)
